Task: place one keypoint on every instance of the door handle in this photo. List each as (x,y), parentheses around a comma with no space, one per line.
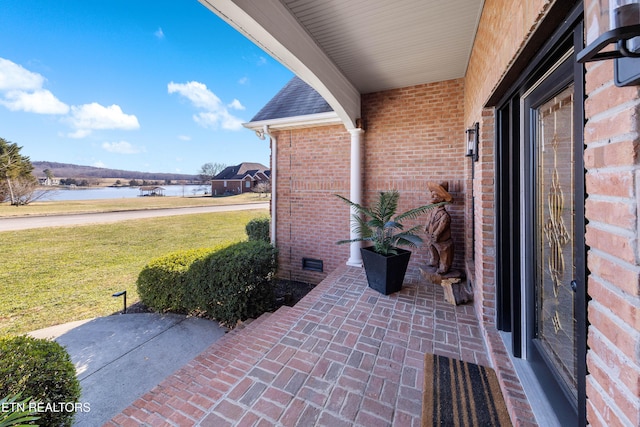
(574,286)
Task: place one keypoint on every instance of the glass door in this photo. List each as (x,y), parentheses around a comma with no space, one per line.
(554,234)
(540,225)
(555,268)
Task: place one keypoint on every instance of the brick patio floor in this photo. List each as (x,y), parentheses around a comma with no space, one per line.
(345,355)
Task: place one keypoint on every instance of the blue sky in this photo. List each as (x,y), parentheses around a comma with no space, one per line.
(158,86)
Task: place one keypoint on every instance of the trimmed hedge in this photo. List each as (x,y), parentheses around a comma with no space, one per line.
(258,229)
(42,370)
(228,284)
(162,283)
(234,283)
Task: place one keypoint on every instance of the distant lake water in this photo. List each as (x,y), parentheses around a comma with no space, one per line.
(120,192)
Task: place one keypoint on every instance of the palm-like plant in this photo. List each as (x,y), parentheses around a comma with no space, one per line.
(381,226)
(18,414)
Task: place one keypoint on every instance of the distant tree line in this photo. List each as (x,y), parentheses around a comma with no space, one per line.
(81,173)
(76,182)
(80,182)
(88,172)
(138,183)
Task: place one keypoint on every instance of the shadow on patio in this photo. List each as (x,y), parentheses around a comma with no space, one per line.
(344,355)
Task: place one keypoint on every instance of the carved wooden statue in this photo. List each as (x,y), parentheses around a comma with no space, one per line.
(438,230)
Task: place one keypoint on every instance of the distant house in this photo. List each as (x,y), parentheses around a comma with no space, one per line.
(240,179)
(48,181)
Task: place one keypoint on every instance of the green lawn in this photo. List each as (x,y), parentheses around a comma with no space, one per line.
(135,203)
(56,275)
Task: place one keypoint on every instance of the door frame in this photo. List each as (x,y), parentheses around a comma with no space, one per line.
(511,159)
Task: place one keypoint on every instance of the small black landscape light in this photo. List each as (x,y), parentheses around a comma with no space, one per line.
(613,32)
(119,294)
(472,142)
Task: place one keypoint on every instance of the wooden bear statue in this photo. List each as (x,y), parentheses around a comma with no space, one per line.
(438,230)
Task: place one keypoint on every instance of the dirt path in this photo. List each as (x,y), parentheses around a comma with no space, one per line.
(24,223)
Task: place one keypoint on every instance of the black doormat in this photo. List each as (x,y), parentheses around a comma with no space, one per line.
(458,393)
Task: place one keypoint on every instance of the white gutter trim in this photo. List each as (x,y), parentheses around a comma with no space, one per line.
(308,120)
(262,133)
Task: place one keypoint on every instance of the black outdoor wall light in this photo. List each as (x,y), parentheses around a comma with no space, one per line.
(472,142)
(613,32)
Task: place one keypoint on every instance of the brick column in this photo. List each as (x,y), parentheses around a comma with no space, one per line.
(484,219)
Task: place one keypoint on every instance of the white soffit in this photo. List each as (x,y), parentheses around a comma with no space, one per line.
(386,44)
(344,48)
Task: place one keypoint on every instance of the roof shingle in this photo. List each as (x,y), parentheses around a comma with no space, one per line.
(296,98)
(241,170)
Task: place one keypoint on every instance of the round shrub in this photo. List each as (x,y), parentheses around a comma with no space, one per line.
(162,283)
(258,229)
(234,283)
(42,370)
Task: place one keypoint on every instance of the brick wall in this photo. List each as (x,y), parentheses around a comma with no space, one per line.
(612,180)
(312,165)
(233,186)
(504,28)
(484,262)
(492,56)
(415,135)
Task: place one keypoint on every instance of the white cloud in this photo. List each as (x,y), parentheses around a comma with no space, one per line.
(159,33)
(15,77)
(236,105)
(184,137)
(197,93)
(216,114)
(23,91)
(79,134)
(122,147)
(221,119)
(88,117)
(40,101)
(262,60)
(243,80)
(99,164)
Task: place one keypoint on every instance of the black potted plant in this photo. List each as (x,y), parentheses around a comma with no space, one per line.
(384,262)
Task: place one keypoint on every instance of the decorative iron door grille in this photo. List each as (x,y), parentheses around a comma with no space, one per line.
(555,269)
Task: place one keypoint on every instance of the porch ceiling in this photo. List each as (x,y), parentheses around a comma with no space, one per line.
(382,44)
(345,48)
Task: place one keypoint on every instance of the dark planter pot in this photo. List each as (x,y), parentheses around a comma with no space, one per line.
(385,274)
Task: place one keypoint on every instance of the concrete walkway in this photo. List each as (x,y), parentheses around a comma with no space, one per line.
(121,357)
(27,222)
